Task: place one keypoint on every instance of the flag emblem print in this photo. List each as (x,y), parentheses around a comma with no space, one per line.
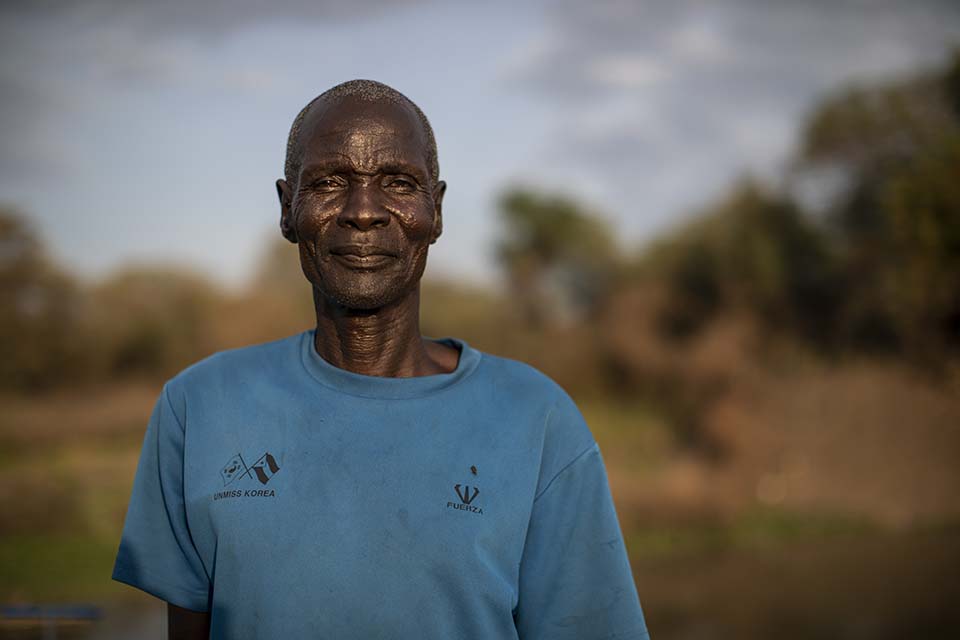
(265,467)
(234,468)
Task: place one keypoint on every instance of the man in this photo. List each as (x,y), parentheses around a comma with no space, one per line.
(359,480)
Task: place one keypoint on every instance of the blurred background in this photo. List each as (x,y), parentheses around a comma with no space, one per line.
(731,230)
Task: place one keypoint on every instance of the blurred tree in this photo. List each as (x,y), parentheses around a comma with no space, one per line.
(40,329)
(153,320)
(897,222)
(449,308)
(275,303)
(752,251)
(279,272)
(559,258)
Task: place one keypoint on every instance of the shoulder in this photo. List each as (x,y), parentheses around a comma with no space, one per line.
(520,379)
(563,431)
(236,368)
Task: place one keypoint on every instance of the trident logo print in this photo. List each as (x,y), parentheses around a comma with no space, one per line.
(467,494)
(464,494)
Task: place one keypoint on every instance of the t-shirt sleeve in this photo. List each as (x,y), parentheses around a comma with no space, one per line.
(575,577)
(156,552)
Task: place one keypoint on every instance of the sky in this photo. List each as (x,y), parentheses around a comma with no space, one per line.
(147,132)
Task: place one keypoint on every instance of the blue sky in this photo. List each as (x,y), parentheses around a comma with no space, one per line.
(153,132)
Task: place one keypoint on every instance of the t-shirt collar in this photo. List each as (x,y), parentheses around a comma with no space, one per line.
(385,387)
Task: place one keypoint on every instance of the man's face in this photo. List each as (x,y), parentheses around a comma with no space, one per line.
(364,208)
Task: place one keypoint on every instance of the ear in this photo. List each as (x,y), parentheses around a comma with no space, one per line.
(438,191)
(288,225)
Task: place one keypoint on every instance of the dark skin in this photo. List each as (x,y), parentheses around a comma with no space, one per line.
(363,211)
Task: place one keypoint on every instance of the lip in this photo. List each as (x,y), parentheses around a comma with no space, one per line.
(359,256)
(361,250)
(372,261)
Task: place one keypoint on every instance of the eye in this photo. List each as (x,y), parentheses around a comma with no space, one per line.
(329,183)
(399,184)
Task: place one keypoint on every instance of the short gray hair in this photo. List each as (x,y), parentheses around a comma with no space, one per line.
(369,90)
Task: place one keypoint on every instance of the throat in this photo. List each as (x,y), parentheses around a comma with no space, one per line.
(383,342)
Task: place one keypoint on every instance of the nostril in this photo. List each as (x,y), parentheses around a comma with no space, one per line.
(363,221)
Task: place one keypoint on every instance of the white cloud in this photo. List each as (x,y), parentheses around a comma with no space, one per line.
(249,79)
(700,42)
(674,98)
(529,56)
(629,71)
(621,115)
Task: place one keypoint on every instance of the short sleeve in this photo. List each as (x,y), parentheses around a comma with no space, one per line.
(575,577)
(156,551)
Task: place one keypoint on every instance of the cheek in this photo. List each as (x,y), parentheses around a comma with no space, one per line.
(415,219)
(308,261)
(313,219)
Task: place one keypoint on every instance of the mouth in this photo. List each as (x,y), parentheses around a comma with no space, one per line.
(362,256)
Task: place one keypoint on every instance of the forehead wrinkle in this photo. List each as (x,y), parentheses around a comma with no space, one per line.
(367,138)
(382,157)
(356,151)
(353,126)
(366,147)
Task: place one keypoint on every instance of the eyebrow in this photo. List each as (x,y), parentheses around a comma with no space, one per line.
(337,165)
(400,167)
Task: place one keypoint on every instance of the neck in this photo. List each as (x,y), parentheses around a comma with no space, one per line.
(378,342)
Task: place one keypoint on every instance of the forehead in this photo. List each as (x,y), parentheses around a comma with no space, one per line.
(365,134)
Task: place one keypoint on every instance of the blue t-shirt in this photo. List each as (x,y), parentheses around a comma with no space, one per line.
(294,499)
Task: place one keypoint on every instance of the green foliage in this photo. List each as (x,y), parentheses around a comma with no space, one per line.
(153,320)
(754,529)
(471,313)
(37,300)
(896,225)
(754,250)
(58,567)
(280,275)
(880,270)
(865,129)
(557,255)
(921,203)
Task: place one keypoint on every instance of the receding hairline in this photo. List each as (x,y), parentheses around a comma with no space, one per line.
(366,91)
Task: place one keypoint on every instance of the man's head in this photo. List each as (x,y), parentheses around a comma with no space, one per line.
(362,195)
(370,90)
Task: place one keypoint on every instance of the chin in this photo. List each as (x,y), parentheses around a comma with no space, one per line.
(366,291)
(363,299)
(369,302)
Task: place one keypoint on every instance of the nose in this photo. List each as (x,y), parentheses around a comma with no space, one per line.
(363,209)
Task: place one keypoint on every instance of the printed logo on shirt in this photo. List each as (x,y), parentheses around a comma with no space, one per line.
(467,495)
(236,469)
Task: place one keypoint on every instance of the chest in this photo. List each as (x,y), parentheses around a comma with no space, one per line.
(373,500)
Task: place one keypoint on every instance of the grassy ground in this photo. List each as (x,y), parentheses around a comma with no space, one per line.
(66,468)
